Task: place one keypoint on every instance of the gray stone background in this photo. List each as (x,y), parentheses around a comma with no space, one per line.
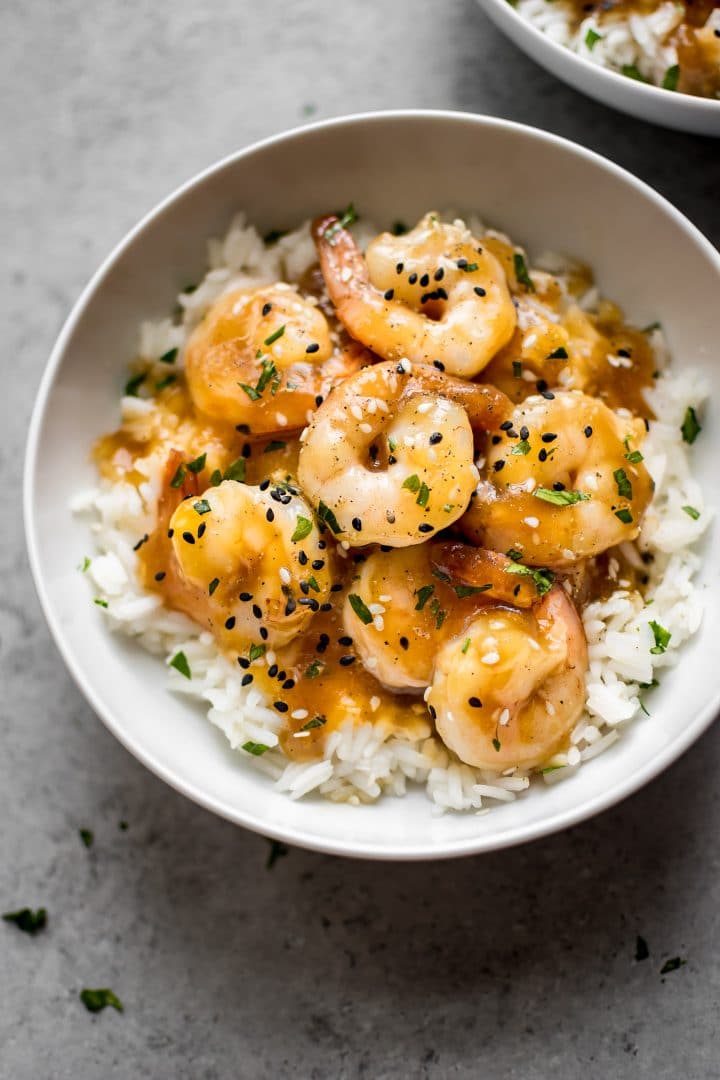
(518,964)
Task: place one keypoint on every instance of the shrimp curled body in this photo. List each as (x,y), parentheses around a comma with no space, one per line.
(508,690)
(390,453)
(433,294)
(262,357)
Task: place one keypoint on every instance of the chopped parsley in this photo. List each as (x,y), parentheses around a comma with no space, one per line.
(497,744)
(360,608)
(623,484)
(275,336)
(559,354)
(690,427)
(215,478)
(517,369)
(87,837)
(634,457)
(198,464)
(468,268)
(465,645)
(250,391)
(560,498)
(256,651)
(542,578)
(412,483)
(273,446)
(591,38)
(625,516)
(213,585)
(303,528)
(27,920)
(169,357)
(345,220)
(461,591)
(328,518)
(316,722)
(134,383)
(314,669)
(100,602)
(661,635)
(236,471)
(166,381)
(257,749)
(423,594)
(692,512)
(97,1000)
(179,478)
(202,506)
(671,78)
(633,72)
(514,554)
(522,447)
(672,964)
(83,566)
(650,327)
(441,575)
(423,495)
(521,272)
(392,444)
(641,949)
(439,613)
(179,662)
(312,583)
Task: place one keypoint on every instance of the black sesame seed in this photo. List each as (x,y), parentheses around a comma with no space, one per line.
(461,264)
(263,633)
(516,590)
(588,432)
(439,365)
(392,460)
(337,587)
(399,268)
(230,623)
(302,558)
(246,679)
(548,395)
(506,425)
(188,538)
(345,640)
(480,291)
(475,703)
(435,438)
(313,347)
(389,517)
(440,294)
(425,280)
(160,575)
(257,612)
(201,529)
(322,545)
(317,564)
(439,274)
(388,294)
(272,671)
(319,400)
(171,533)
(270,514)
(549,436)
(542,456)
(425,297)
(524,433)
(426,528)
(412,279)
(143,540)
(326,607)
(281,676)
(432,712)
(290,606)
(288,684)
(404,643)
(323,642)
(499,465)
(557,486)
(304,588)
(346,661)
(267,308)
(496,439)
(244,429)
(309,602)
(357,524)
(281,706)
(541,386)
(624,352)
(243,661)
(264,485)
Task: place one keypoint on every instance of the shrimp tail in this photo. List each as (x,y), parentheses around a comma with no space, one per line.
(340,258)
(481,568)
(486,406)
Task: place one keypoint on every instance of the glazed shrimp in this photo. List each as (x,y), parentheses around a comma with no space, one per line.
(563,481)
(388,458)
(434,294)
(264,357)
(255,558)
(509,688)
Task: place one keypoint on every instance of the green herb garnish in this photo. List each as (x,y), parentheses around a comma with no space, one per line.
(634,457)
(441,575)
(692,512)
(672,964)
(542,578)
(625,516)
(423,495)
(202,506)
(179,662)
(461,591)
(690,427)
(257,749)
(671,78)
(314,669)
(316,722)
(521,272)
(273,446)
(97,1000)
(326,515)
(213,585)
(100,602)
(87,836)
(522,447)
(497,744)
(633,72)
(560,498)
(277,851)
(465,645)
(179,478)
(623,484)
(236,471)
(303,528)
(661,635)
(215,478)
(250,391)
(256,651)
(423,594)
(169,357)
(412,483)
(83,566)
(517,369)
(166,381)
(198,464)
(27,920)
(133,384)
(360,608)
(591,38)
(559,354)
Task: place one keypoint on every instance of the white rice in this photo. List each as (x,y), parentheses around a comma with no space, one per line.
(616,40)
(361,761)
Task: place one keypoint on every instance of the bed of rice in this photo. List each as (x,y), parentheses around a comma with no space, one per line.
(615,40)
(361,762)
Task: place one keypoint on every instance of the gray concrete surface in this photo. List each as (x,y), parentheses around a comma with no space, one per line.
(519,964)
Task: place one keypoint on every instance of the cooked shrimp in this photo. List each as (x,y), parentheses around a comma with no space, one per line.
(509,688)
(388,458)
(255,557)
(563,481)
(434,294)
(264,357)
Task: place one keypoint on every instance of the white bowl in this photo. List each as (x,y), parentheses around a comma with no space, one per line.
(547,193)
(698,115)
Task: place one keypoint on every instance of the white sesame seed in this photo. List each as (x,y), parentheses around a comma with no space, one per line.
(285,575)
(424,407)
(281,419)
(384,599)
(356,412)
(426,694)
(374,703)
(549,708)
(345,273)
(301,735)
(568,554)
(299,714)
(379,623)
(270,657)
(533,522)
(345,545)
(405,365)
(490,657)
(504,717)
(573,756)
(365,428)
(376,609)
(371,662)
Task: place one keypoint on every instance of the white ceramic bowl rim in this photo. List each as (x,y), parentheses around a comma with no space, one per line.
(688,103)
(466,846)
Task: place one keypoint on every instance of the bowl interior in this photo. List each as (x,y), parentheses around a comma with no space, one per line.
(547,194)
